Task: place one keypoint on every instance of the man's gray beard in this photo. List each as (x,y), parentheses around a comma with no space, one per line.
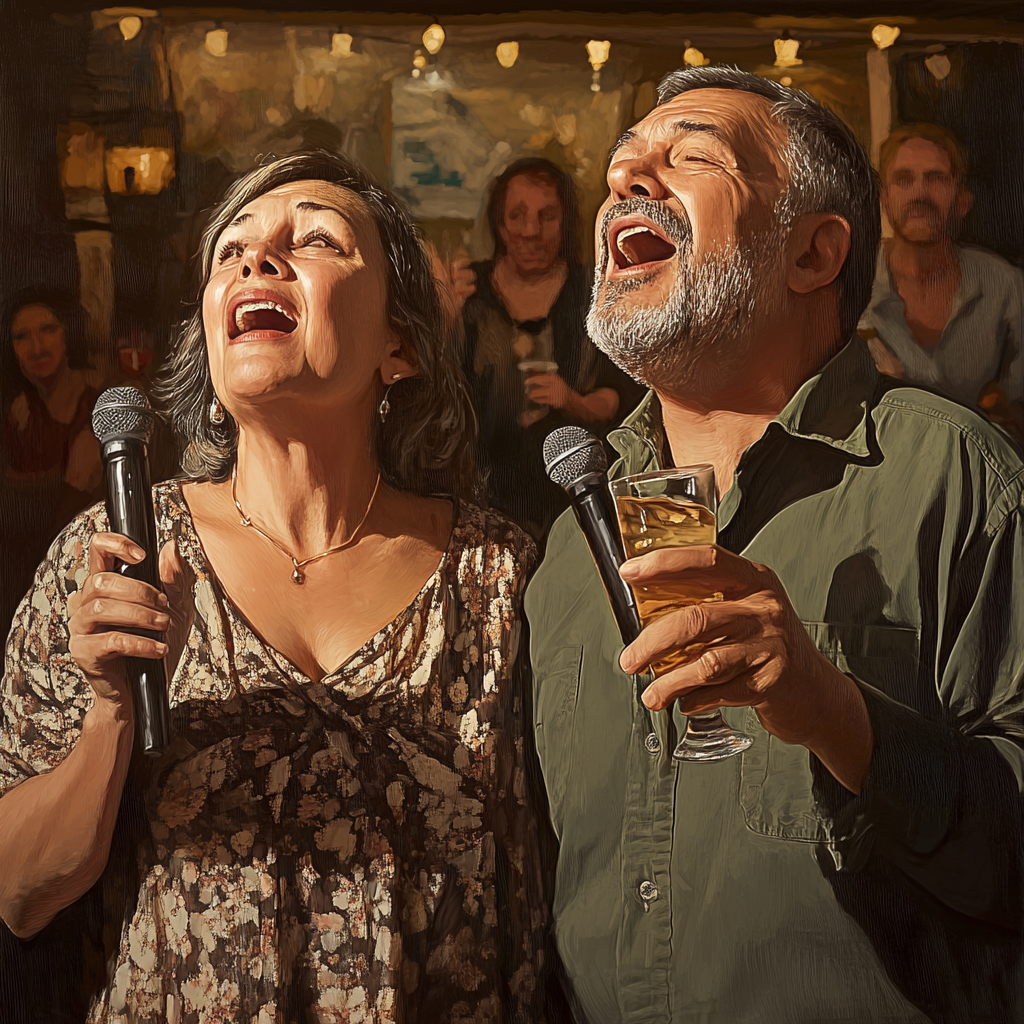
(702,332)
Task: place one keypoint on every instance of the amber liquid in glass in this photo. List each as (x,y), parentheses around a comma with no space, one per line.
(662,522)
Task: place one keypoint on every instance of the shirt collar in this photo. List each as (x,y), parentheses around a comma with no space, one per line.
(971,283)
(832,407)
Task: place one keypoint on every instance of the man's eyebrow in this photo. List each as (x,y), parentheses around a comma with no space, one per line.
(622,140)
(698,126)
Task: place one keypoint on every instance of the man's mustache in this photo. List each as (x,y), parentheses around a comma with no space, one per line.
(921,206)
(676,226)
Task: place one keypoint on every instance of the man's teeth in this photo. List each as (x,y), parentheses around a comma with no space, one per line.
(251,307)
(627,233)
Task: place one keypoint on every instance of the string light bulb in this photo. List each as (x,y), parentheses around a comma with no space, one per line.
(693,58)
(217,41)
(885,35)
(597,54)
(341,44)
(507,54)
(786,53)
(130,26)
(433,38)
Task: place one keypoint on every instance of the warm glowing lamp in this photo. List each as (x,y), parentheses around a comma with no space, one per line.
(693,58)
(130,26)
(507,54)
(785,53)
(217,41)
(433,38)
(597,53)
(884,35)
(341,45)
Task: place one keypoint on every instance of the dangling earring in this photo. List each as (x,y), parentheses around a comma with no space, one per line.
(385,406)
(216,412)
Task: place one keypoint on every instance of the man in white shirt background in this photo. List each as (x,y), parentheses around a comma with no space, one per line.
(943,315)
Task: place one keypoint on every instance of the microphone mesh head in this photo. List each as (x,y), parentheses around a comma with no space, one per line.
(571,453)
(120,413)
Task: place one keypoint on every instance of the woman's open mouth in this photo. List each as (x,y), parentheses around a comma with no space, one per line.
(638,245)
(260,318)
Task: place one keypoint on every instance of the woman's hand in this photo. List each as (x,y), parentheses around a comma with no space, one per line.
(551,390)
(109,603)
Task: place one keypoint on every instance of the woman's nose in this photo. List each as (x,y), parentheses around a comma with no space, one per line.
(636,176)
(262,261)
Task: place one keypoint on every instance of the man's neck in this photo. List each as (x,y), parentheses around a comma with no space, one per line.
(717,436)
(922,261)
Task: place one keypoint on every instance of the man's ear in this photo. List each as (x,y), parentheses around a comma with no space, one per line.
(963,203)
(818,246)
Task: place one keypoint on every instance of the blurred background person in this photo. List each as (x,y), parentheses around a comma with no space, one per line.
(943,315)
(530,364)
(51,461)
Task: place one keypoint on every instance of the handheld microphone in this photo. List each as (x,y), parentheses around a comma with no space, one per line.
(575,460)
(122,421)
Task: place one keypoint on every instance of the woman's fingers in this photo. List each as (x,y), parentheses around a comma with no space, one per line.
(96,653)
(102,614)
(106,549)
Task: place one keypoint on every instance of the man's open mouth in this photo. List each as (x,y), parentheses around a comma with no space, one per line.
(639,245)
(261,317)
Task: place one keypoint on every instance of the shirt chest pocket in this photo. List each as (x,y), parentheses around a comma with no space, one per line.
(776,779)
(556,690)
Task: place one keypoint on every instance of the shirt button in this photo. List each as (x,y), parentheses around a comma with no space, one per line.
(648,891)
(652,743)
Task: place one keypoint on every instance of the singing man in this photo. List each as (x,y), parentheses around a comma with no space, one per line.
(862,860)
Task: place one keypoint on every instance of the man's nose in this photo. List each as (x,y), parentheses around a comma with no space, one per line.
(636,176)
(261,260)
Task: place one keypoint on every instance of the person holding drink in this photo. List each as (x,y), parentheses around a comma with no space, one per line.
(530,365)
(848,595)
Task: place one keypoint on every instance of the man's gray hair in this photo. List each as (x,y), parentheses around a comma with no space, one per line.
(829,172)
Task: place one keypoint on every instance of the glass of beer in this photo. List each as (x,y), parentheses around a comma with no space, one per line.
(535,368)
(669,509)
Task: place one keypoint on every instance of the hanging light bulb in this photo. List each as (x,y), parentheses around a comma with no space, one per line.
(130,26)
(507,54)
(885,35)
(597,54)
(693,58)
(433,38)
(217,41)
(341,44)
(786,53)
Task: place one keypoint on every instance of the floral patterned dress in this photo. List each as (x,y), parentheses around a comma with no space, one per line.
(359,849)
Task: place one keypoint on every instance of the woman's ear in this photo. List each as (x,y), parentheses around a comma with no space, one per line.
(818,246)
(400,360)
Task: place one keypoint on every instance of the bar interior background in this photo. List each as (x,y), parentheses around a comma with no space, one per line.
(121,125)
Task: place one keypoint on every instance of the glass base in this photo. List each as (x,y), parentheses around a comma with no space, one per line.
(710,738)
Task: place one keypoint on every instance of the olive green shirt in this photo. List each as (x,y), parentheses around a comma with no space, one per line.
(757,889)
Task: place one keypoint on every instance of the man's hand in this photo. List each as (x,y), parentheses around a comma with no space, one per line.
(551,390)
(757,654)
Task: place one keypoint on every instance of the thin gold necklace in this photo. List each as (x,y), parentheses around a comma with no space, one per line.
(298,576)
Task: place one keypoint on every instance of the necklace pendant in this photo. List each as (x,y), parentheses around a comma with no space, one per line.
(298,576)
(245,521)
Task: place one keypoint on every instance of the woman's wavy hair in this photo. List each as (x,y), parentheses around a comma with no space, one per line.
(538,169)
(426,443)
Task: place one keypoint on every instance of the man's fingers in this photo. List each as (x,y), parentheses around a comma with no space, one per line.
(99,614)
(716,666)
(719,569)
(105,549)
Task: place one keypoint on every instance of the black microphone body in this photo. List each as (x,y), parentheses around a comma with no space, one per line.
(130,511)
(575,460)
(591,501)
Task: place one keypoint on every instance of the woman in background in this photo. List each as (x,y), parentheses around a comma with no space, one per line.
(340,828)
(51,461)
(526,353)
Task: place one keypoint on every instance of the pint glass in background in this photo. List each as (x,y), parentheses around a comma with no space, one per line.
(667,509)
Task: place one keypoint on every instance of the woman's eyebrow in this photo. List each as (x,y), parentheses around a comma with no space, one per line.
(308,204)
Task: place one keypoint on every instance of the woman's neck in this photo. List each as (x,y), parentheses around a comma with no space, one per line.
(309,489)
